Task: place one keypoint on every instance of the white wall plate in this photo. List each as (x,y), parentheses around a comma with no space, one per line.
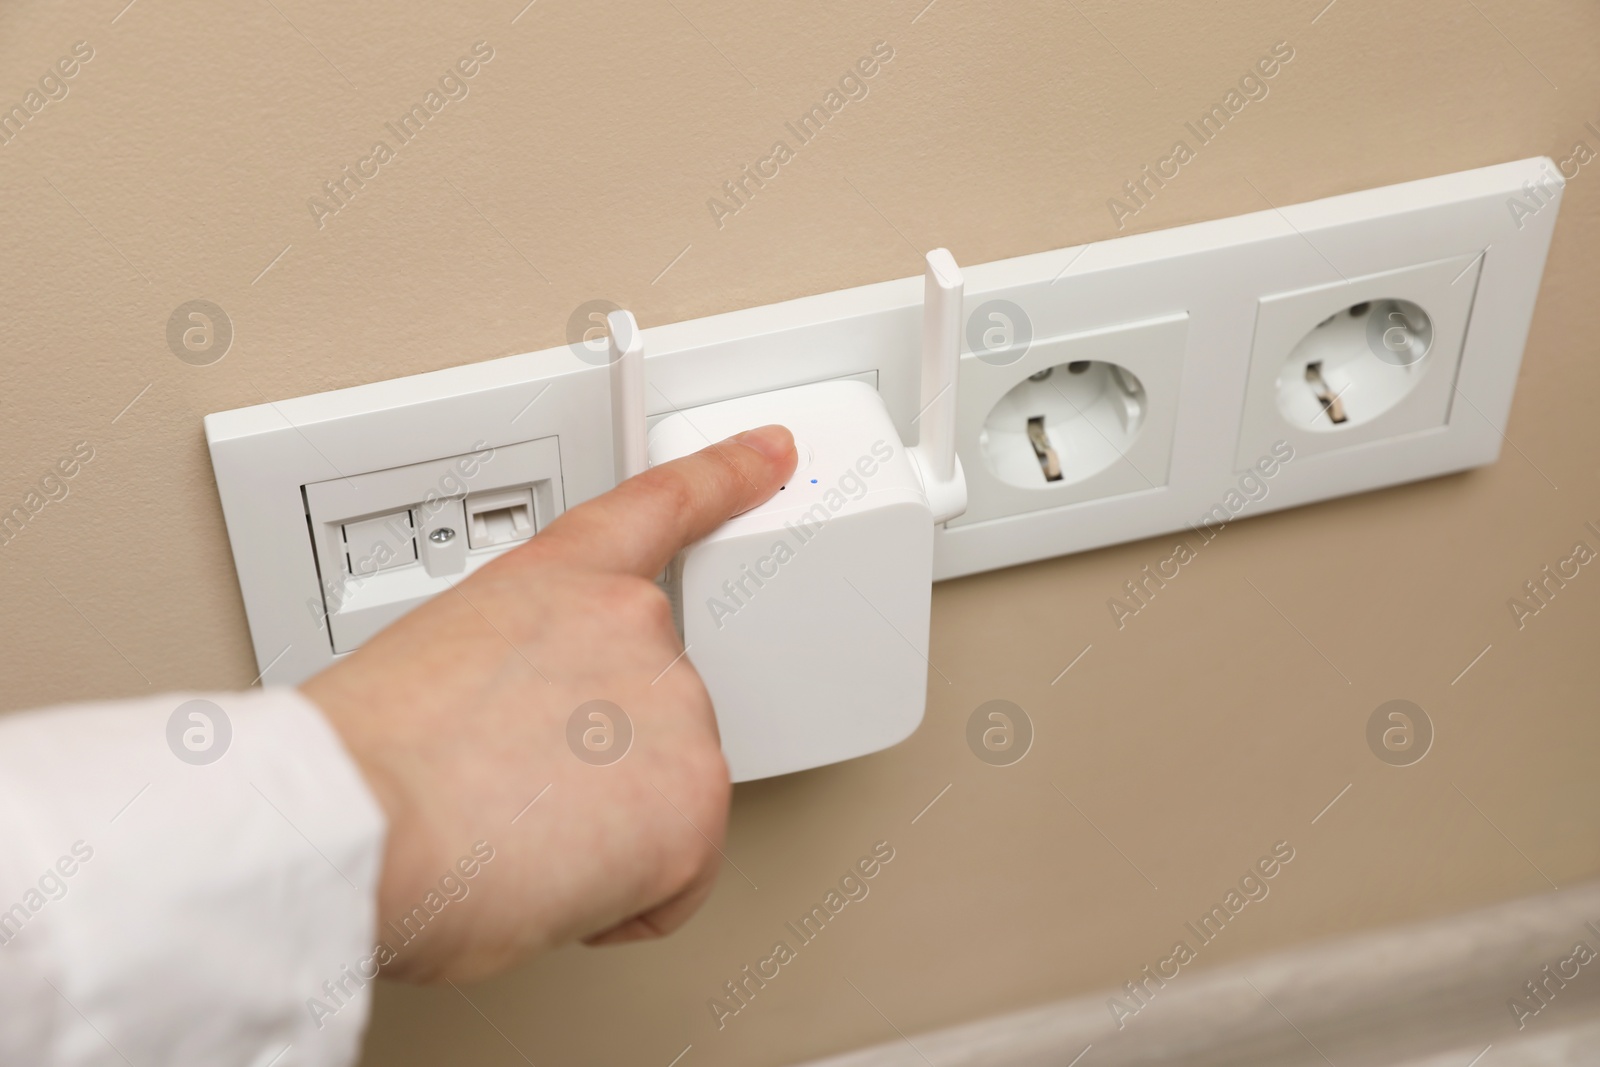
(291,473)
(1206,317)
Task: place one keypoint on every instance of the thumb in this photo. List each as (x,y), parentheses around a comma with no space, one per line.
(640,525)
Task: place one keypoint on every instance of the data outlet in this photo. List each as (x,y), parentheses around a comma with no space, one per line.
(378,544)
(500,518)
(435,522)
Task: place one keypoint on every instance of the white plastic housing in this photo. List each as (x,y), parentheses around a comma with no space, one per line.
(807,617)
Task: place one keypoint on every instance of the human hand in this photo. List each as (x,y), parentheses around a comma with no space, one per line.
(457,716)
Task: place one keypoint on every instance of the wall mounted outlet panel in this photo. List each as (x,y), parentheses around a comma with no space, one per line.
(1106,393)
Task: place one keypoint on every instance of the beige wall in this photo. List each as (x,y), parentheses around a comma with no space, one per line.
(180,165)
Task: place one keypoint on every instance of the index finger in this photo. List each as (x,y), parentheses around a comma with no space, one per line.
(640,525)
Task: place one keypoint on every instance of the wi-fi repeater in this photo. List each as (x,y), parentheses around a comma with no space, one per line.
(807,616)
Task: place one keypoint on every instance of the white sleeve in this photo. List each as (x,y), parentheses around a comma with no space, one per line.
(184,880)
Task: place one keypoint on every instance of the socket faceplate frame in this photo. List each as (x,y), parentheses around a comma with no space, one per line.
(1217,273)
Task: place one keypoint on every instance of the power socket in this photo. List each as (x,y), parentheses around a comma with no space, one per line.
(1106,405)
(1358,361)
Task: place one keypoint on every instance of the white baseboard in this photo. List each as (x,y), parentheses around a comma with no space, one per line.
(1433,994)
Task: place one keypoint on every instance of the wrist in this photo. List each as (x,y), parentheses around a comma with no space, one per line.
(405,848)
